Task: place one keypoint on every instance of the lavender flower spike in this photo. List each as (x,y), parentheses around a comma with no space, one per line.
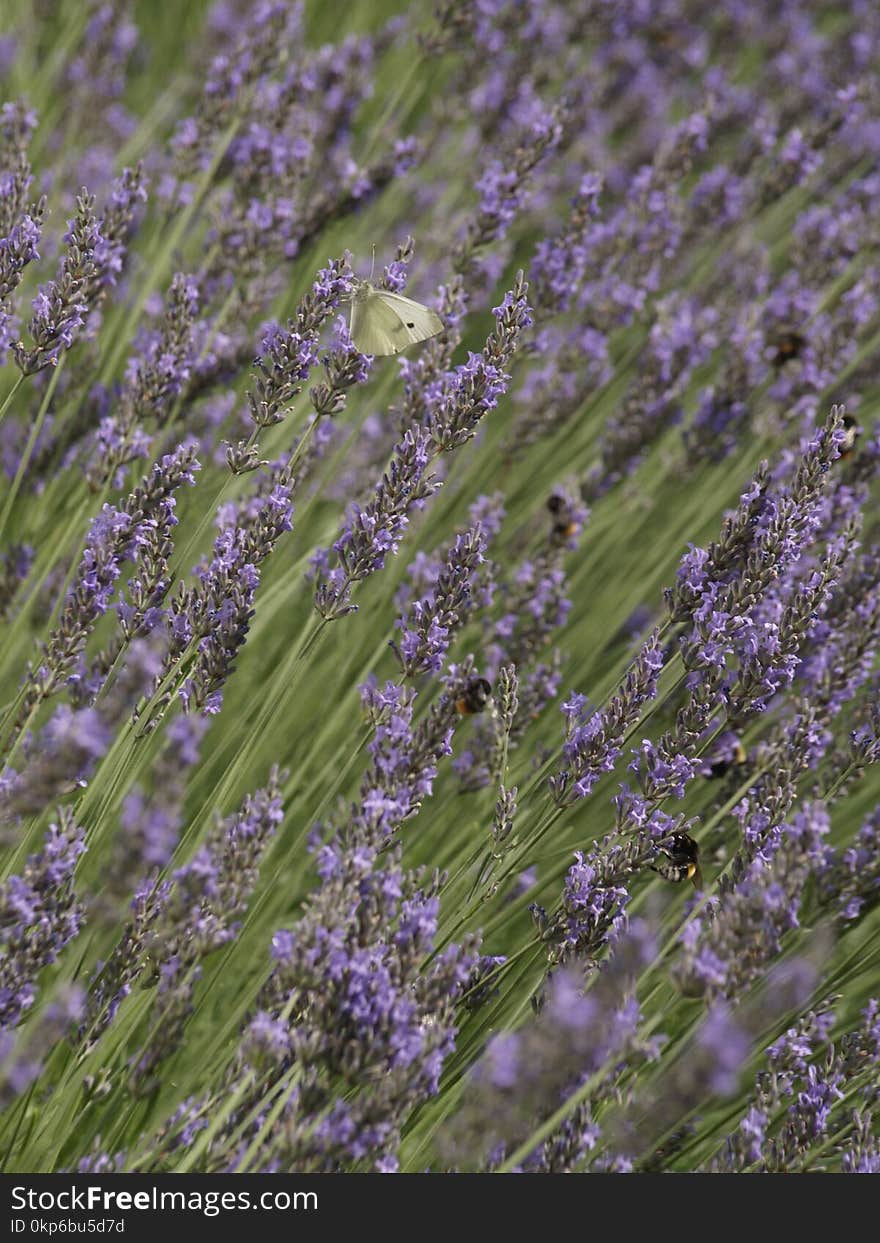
(372,532)
(112,537)
(61,307)
(473,389)
(39,914)
(18,248)
(431,621)
(287,355)
(154,378)
(593,743)
(197,913)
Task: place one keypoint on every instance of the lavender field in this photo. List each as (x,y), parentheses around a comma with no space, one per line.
(457,757)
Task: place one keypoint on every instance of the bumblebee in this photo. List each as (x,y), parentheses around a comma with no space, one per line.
(475,697)
(666,38)
(680,860)
(787,345)
(736,759)
(852,431)
(565,526)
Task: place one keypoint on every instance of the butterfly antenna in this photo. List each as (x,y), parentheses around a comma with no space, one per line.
(373,264)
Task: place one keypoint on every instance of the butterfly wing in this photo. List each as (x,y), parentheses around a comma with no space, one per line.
(419,321)
(386,323)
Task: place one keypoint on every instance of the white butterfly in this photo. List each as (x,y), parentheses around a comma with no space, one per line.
(386,323)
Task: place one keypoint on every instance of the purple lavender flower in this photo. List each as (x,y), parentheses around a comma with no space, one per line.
(578,1036)
(769,644)
(61,307)
(423,373)
(231,77)
(15,565)
(683,336)
(349,991)
(357,1000)
(861,1153)
(723,953)
(112,538)
(560,262)
(39,915)
(195,913)
(291,159)
(215,614)
(154,378)
(596,894)
(473,389)
(380,1018)
(116,226)
(394,274)
(22,1057)
(428,626)
(404,758)
(344,367)
(151,821)
(17,124)
(850,875)
(18,248)
(807,1080)
(503,188)
(594,742)
(534,605)
(372,532)
(63,757)
(288,355)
